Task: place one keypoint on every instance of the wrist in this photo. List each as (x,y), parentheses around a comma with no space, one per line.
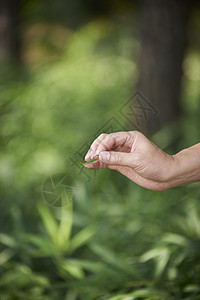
(172,164)
(174,174)
(184,168)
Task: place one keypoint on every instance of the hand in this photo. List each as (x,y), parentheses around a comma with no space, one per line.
(134,156)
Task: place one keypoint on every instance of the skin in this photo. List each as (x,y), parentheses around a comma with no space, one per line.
(136,157)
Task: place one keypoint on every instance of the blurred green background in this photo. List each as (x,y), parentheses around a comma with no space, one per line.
(67,67)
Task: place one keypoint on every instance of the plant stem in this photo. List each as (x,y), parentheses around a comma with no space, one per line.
(89,162)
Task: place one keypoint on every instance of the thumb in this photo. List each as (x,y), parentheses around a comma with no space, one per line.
(116,158)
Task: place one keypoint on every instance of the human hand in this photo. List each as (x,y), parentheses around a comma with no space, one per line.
(135,156)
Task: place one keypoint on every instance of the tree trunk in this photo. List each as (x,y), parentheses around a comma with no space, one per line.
(163,44)
(10,45)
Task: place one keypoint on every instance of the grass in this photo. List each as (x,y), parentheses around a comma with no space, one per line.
(89,162)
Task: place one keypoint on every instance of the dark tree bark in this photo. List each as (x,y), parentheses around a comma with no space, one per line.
(163,44)
(10,45)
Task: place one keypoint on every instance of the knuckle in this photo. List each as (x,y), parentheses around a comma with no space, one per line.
(102,135)
(98,140)
(94,145)
(109,138)
(136,132)
(129,135)
(107,141)
(102,139)
(103,144)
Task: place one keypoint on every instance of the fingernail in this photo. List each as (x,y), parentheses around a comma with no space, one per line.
(104,156)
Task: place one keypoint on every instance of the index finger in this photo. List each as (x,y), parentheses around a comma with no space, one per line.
(91,152)
(110,141)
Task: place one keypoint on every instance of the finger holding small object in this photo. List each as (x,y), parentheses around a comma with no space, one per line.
(89,155)
(89,162)
(93,165)
(92,151)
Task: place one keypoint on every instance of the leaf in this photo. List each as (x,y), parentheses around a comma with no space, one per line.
(92,266)
(191,288)
(20,276)
(89,162)
(44,246)
(81,238)
(161,256)
(48,221)
(151,254)
(141,293)
(176,239)
(162,261)
(72,268)
(117,262)
(6,255)
(7,240)
(65,227)
(193,220)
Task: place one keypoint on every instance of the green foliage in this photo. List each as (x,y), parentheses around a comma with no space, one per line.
(116,240)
